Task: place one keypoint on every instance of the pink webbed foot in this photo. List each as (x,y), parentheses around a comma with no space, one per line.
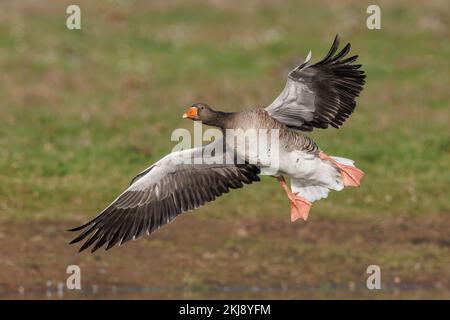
(299,206)
(351,176)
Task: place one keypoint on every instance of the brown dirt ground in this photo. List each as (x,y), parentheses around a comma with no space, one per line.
(205,257)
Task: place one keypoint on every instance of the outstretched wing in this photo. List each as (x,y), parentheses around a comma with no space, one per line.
(159,194)
(321,94)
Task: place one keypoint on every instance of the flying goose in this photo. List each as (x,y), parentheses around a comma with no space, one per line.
(315,96)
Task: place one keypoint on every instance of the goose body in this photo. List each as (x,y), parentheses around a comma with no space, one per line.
(298,155)
(315,96)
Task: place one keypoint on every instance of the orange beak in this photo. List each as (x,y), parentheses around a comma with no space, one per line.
(191,114)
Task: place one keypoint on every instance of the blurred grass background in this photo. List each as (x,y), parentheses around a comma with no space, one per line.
(82,111)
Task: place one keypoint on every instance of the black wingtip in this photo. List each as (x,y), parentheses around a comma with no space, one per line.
(337,38)
(73,241)
(75,229)
(86,245)
(343,52)
(80,227)
(94,249)
(331,52)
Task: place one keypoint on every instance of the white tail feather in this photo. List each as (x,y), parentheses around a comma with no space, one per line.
(309,192)
(347,162)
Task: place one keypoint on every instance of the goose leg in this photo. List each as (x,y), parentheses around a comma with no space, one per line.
(299,206)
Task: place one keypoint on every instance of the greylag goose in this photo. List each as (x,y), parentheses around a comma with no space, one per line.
(315,96)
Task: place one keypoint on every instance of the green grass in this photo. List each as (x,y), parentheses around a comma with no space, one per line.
(83,111)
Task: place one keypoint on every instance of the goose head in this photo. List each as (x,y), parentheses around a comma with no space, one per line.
(201,112)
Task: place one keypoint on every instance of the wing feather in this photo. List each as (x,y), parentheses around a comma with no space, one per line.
(322,94)
(165,190)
